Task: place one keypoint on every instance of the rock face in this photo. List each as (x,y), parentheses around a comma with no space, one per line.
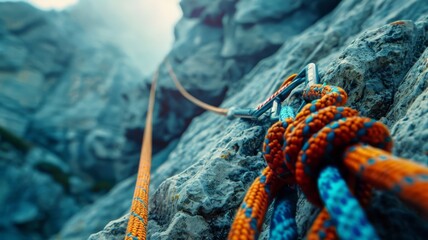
(72,112)
(375,50)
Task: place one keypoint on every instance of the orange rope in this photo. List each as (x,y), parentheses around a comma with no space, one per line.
(307,140)
(318,138)
(188,96)
(139,216)
(251,213)
(138,219)
(255,204)
(384,171)
(322,228)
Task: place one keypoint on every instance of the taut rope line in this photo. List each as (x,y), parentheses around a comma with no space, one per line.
(139,216)
(188,96)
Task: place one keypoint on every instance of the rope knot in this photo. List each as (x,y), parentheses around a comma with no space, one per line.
(272,150)
(318,136)
(302,151)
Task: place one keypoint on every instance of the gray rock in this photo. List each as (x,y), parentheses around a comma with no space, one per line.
(411,87)
(37,157)
(89,132)
(210,12)
(33,204)
(254,11)
(86,105)
(94,217)
(113,230)
(218,61)
(16,104)
(411,131)
(30,84)
(65,96)
(115,204)
(81,105)
(191,34)
(12,53)
(63,110)
(223,55)
(267,37)
(376,62)
(193,9)
(11,16)
(277,22)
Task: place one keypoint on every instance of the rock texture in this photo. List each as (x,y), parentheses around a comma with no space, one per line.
(375,50)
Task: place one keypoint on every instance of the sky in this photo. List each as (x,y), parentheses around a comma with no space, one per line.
(48,4)
(52,4)
(143,29)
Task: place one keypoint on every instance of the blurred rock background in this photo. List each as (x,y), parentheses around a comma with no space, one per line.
(73,99)
(68,132)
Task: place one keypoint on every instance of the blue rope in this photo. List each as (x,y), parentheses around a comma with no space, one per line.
(351,220)
(283,224)
(286,112)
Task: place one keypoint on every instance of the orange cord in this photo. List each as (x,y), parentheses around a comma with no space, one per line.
(188,96)
(139,216)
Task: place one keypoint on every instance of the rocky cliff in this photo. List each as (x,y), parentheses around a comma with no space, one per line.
(72,112)
(71,115)
(62,104)
(375,50)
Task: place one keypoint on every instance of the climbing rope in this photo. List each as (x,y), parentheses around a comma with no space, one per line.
(250,215)
(283,224)
(188,96)
(313,150)
(307,74)
(139,216)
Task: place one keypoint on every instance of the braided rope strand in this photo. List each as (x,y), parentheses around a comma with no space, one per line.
(405,178)
(283,224)
(310,150)
(336,135)
(300,131)
(139,216)
(272,148)
(323,228)
(251,213)
(343,207)
(190,97)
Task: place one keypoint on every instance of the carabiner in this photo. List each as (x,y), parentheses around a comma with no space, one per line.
(308,75)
